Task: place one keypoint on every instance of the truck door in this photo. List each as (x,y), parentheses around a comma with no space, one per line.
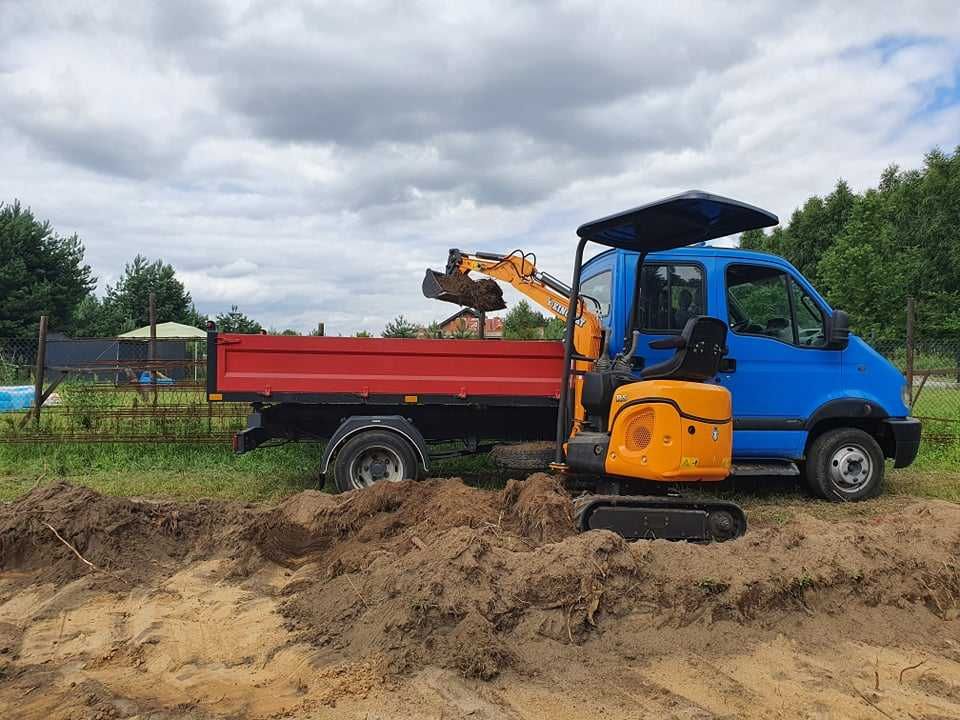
(778,368)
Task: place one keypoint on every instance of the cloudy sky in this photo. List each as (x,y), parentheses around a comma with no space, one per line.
(307,160)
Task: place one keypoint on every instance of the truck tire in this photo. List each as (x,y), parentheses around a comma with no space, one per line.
(845,465)
(372,456)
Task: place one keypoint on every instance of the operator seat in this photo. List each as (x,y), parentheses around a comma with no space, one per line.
(700,346)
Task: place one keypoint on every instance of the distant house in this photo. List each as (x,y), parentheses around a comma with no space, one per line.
(493,327)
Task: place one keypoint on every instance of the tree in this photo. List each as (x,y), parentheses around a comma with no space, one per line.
(41,273)
(236,322)
(754,240)
(868,252)
(126,305)
(433,330)
(523,323)
(363,334)
(554,329)
(399,327)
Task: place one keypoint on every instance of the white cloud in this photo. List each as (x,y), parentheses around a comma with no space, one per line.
(306,161)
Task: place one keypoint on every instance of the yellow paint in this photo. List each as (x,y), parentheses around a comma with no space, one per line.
(215,396)
(409,398)
(674,452)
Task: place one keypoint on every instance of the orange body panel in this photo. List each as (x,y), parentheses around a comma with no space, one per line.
(670,431)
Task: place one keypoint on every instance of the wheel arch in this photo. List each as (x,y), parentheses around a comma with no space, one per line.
(859,413)
(355,424)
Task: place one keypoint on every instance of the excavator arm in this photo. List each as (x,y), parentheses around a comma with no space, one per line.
(520,271)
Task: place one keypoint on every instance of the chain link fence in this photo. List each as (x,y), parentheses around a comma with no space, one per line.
(933,367)
(109,390)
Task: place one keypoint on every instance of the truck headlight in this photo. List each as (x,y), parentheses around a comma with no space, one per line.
(905,394)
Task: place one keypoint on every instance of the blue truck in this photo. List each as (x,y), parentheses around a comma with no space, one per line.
(808,397)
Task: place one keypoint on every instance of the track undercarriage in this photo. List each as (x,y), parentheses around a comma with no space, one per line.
(660,517)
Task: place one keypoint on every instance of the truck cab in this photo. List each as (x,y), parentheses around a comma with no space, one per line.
(807,397)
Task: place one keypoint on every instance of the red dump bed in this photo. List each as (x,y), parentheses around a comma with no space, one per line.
(312,369)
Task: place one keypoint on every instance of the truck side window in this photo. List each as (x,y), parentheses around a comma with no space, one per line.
(810,325)
(598,287)
(669,296)
(766,301)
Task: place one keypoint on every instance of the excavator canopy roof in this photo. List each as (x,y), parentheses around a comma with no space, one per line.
(685,219)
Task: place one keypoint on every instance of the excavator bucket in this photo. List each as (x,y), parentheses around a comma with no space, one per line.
(482,295)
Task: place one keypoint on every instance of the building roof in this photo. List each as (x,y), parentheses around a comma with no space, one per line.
(464,312)
(166,331)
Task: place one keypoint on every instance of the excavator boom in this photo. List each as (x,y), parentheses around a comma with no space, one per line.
(519,270)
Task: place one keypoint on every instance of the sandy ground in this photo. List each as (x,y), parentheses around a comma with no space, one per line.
(437,600)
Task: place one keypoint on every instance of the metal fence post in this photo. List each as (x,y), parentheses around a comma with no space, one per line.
(910,341)
(152,346)
(39,371)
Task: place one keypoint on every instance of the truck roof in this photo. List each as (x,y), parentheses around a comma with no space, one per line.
(700,250)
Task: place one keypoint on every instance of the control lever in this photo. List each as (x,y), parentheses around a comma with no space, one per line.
(603,360)
(624,360)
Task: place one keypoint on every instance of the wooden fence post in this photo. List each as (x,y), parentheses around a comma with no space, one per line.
(911,308)
(39,371)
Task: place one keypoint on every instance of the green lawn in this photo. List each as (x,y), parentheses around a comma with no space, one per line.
(194,471)
(185,471)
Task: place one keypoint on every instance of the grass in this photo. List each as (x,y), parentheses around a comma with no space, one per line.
(188,471)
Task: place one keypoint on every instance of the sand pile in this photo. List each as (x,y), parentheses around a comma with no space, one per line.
(323,599)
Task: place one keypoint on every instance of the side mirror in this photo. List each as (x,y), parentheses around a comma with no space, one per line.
(838,330)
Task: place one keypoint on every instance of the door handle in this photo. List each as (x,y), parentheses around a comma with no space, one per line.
(727,365)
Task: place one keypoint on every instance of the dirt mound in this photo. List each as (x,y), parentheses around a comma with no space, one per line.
(540,506)
(119,535)
(321,600)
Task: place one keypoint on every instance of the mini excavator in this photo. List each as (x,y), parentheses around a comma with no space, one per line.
(666,424)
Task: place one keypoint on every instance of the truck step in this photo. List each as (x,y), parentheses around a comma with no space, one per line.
(764,469)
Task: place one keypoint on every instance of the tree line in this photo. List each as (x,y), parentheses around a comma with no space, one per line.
(868,252)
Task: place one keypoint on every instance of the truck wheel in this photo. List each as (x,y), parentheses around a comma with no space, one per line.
(845,464)
(372,456)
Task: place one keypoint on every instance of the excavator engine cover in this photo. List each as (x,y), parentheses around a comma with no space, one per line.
(670,431)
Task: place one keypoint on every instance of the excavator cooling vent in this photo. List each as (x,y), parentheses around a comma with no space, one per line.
(640,430)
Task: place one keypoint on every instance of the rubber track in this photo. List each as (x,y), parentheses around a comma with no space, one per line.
(585,506)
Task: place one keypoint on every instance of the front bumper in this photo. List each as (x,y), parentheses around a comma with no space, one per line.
(905,433)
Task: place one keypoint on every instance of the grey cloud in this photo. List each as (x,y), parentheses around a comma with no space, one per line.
(305,161)
(119,151)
